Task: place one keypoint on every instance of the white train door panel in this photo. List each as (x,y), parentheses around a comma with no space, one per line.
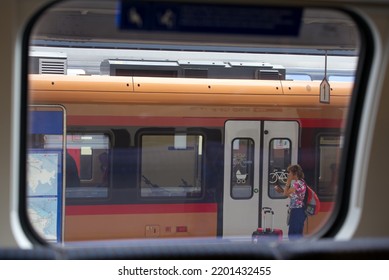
(241,180)
(280,149)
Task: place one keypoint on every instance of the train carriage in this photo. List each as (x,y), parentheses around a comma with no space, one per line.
(184,157)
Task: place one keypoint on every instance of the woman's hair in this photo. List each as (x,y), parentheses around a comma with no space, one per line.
(297,170)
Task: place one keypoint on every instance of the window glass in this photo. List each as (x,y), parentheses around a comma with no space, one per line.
(171,165)
(279,160)
(242,174)
(88,165)
(329,151)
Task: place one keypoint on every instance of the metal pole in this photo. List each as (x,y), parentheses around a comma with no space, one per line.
(325,65)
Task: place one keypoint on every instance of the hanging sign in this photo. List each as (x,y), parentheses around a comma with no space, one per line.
(325,90)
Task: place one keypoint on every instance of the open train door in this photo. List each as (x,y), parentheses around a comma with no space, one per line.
(256,155)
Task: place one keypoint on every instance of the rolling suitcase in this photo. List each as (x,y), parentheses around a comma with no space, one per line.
(267,233)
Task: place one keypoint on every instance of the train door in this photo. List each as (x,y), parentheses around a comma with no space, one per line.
(280,149)
(257,154)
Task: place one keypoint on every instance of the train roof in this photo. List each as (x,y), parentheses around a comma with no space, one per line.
(190,91)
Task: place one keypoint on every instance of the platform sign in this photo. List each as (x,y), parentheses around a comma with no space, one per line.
(208,18)
(325,90)
(45,172)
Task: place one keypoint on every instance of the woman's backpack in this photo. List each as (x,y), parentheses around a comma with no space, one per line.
(311,202)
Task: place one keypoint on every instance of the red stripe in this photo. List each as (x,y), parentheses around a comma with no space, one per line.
(144,121)
(140,209)
(321,122)
(75,210)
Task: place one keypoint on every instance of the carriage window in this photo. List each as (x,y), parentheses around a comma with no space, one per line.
(279,160)
(171,165)
(329,150)
(87,165)
(242,165)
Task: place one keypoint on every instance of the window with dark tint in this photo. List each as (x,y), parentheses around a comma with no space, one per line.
(328,157)
(242,174)
(89,159)
(171,165)
(279,160)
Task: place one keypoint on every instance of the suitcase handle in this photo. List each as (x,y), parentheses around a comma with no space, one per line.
(268,210)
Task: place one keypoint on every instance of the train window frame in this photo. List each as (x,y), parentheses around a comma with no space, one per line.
(354,86)
(250,148)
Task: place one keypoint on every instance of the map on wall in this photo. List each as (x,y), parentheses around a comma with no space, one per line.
(44,198)
(44,166)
